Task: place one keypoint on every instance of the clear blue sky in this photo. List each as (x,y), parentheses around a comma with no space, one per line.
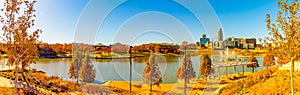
(153,20)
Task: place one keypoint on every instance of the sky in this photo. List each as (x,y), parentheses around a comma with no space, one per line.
(143,21)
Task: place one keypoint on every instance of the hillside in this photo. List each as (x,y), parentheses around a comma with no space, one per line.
(265,82)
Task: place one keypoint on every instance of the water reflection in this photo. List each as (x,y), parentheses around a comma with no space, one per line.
(118,69)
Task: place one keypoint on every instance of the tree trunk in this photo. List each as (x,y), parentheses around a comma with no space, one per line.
(292,65)
(77,81)
(292,83)
(150,89)
(23,75)
(16,78)
(77,78)
(291,72)
(185,81)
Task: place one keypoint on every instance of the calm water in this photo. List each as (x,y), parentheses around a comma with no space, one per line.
(118,69)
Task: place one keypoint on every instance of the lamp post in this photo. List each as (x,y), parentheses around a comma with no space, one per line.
(185,74)
(130,56)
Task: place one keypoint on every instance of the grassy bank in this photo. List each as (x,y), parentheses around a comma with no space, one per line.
(265,82)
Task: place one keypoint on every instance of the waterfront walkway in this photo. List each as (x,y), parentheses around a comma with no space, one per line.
(229,64)
(288,66)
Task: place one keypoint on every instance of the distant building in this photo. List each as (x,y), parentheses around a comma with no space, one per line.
(204,41)
(241,43)
(100,46)
(232,44)
(251,42)
(219,43)
(220,35)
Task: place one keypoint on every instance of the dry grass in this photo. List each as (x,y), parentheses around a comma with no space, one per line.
(265,82)
(6,91)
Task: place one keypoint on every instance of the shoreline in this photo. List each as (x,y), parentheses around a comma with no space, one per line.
(195,86)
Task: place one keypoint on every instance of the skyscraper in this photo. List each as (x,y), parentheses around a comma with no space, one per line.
(220,35)
(219,43)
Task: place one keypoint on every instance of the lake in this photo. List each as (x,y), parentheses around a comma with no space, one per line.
(118,69)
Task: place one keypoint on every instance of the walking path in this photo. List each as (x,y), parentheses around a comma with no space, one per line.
(288,66)
(3,81)
(211,86)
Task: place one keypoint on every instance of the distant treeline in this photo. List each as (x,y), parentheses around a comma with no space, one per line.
(46,49)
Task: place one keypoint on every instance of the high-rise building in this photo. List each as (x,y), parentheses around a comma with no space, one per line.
(220,35)
(219,43)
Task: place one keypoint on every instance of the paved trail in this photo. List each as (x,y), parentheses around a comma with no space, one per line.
(211,86)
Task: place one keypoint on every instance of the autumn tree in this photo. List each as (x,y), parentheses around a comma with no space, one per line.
(81,60)
(44,49)
(186,69)
(79,53)
(268,60)
(151,74)
(285,30)
(67,48)
(87,71)
(57,47)
(76,65)
(253,65)
(282,60)
(205,66)
(21,40)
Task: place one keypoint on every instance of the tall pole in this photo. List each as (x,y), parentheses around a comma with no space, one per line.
(243,69)
(234,68)
(130,56)
(291,74)
(185,85)
(219,73)
(226,71)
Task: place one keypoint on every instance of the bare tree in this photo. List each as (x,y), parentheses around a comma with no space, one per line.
(151,74)
(87,71)
(189,70)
